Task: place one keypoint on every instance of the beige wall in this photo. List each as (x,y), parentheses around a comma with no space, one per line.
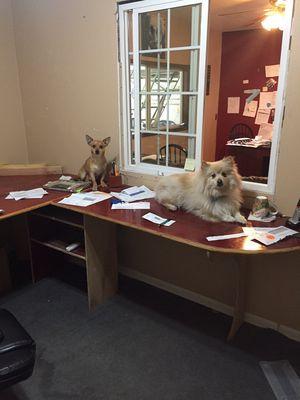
(13,147)
(67,54)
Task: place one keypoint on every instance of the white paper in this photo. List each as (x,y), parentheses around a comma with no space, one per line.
(272,70)
(252,230)
(233,105)
(156,219)
(225,237)
(262,116)
(141,205)
(136,193)
(65,178)
(274,236)
(267,100)
(250,109)
(266,219)
(85,199)
(37,193)
(266,131)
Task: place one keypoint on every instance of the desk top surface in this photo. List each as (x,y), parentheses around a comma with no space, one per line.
(188,229)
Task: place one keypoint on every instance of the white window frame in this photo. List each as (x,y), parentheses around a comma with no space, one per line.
(152,169)
(137,8)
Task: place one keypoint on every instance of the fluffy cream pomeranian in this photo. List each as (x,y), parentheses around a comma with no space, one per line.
(213,193)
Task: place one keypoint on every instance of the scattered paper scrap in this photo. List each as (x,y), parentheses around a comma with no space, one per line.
(266,219)
(141,205)
(233,105)
(250,109)
(156,219)
(65,178)
(85,199)
(134,193)
(274,236)
(37,193)
(226,237)
(189,164)
(266,131)
(267,100)
(272,70)
(262,116)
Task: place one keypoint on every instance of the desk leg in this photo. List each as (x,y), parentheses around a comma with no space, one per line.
(101,260)
(241,267)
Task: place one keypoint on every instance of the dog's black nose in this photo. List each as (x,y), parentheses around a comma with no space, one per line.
(97,151)
(219,182)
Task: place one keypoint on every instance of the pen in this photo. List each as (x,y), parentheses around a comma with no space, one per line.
(165,222)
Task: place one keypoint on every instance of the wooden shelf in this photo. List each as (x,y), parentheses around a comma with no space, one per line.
(68,218)
(60,246)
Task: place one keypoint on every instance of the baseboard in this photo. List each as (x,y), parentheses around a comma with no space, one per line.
(208,302)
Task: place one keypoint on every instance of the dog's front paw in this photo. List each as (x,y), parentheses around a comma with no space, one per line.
(228,218)
(103,184)
(95,188)
(240,219)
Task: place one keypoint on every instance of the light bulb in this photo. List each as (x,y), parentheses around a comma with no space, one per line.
(273,21)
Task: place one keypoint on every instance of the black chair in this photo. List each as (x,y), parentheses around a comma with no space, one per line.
(240,131)
(17,351)
(177,155)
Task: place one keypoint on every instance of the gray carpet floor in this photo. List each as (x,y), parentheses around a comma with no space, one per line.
(140,345)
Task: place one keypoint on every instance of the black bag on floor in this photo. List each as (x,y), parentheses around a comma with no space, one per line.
(17,351)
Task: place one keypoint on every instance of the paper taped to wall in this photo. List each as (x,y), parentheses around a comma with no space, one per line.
(233,105)
(272,70)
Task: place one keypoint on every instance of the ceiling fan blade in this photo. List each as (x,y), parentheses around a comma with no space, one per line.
(255,21)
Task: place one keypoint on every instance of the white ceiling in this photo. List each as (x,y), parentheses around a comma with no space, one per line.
(239,21)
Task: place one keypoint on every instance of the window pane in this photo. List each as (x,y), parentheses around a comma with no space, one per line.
(186,61)
(185,26)
(152,112)
(153,30)
(132,152)
(177,150)
(151,145)
(153,72)
(182,113)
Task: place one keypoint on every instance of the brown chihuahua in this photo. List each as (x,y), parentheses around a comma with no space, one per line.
(96,165)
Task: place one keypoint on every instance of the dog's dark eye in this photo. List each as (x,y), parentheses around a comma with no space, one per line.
(213,175)
(224,174)
(94,146)
(101,147)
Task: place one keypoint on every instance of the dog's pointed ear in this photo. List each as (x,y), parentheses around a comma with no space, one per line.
(89,139)
(106,141)
(229,160)
(204,165)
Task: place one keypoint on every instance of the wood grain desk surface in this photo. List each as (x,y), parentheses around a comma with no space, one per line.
(188,229)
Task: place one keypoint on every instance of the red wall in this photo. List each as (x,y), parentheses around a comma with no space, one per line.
(244,56)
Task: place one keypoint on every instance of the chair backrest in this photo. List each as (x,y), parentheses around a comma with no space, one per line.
(240,131)
(177,154)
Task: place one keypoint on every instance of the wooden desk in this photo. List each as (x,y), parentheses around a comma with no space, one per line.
(251,160)
(188,229)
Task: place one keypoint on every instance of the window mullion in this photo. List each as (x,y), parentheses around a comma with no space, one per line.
(136,74)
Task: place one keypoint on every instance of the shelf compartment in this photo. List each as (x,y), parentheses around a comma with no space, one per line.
(60,215)
(60,245)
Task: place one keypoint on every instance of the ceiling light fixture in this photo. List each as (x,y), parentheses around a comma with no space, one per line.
(275,18)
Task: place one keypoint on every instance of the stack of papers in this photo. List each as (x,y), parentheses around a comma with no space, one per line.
(37,193)
(134,193)
(85,199)
(141,205)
